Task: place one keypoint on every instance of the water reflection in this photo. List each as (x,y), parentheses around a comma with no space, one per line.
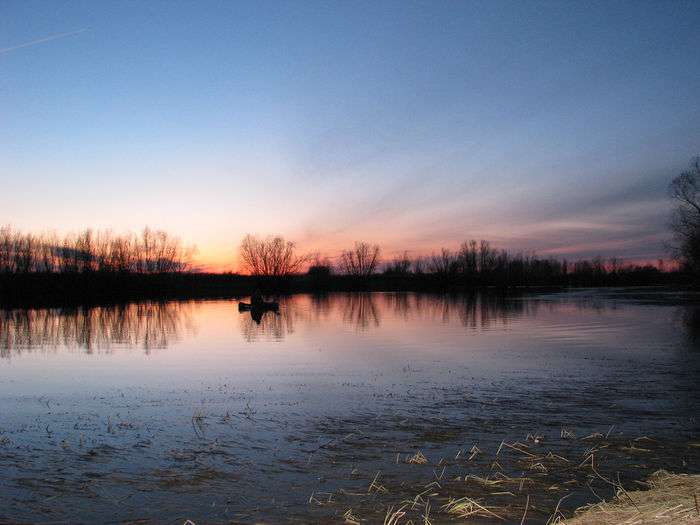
(145,325)
(157,325)
(691,323)
(356,376)
(366,311)
(362,312)
(474,311)
(268,324)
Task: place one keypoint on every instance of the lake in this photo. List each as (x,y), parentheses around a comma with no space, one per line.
(348,408)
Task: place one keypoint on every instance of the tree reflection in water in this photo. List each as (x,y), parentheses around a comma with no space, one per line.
(149,326)
(365,311)
(267,324)
(361,311)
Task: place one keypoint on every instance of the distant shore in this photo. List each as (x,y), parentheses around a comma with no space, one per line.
(48,289)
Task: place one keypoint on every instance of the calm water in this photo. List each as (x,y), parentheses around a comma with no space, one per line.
(192,410)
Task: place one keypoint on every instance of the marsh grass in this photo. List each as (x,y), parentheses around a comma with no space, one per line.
(375,486)
(417,459)
(535,481)
(393,517)
(466,507)
(350,518)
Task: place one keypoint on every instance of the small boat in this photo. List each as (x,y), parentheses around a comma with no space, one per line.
(261,307)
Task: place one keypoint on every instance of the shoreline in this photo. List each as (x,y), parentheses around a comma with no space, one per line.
(40,289)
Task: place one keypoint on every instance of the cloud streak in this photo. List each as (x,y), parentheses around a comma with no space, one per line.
(38,41)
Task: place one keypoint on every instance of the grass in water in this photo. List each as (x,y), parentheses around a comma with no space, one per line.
(417,459)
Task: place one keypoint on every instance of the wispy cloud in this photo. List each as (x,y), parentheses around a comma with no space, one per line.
(50,38)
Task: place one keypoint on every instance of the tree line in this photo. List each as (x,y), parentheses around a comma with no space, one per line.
(150,252)
(474,262)
(157,252)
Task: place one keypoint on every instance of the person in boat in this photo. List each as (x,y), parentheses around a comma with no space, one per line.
(258,303)
(256,300)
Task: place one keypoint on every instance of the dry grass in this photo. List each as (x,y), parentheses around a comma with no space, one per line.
(671,499)
(393,517)
(417,459)
(350,518)
(527,482)
(375,486)
(467,507)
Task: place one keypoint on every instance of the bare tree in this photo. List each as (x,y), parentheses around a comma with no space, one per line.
(442,264)
(400,265)
(487,257)
(685,190)
(418,265)
(87,251)
(468,257)
(361,261)
(270,257)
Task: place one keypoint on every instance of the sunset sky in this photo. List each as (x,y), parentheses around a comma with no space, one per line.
(552,126)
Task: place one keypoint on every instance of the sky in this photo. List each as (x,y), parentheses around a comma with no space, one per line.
(546,126)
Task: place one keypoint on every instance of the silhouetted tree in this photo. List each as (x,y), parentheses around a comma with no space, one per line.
(88,251)
(443,264)
(419,266)
(468,257)
(270,257)
(399,265)
(685,190)
(361,261)
(476,263)
(487,257)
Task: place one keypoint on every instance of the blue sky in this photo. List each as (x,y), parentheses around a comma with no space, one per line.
(547,126)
